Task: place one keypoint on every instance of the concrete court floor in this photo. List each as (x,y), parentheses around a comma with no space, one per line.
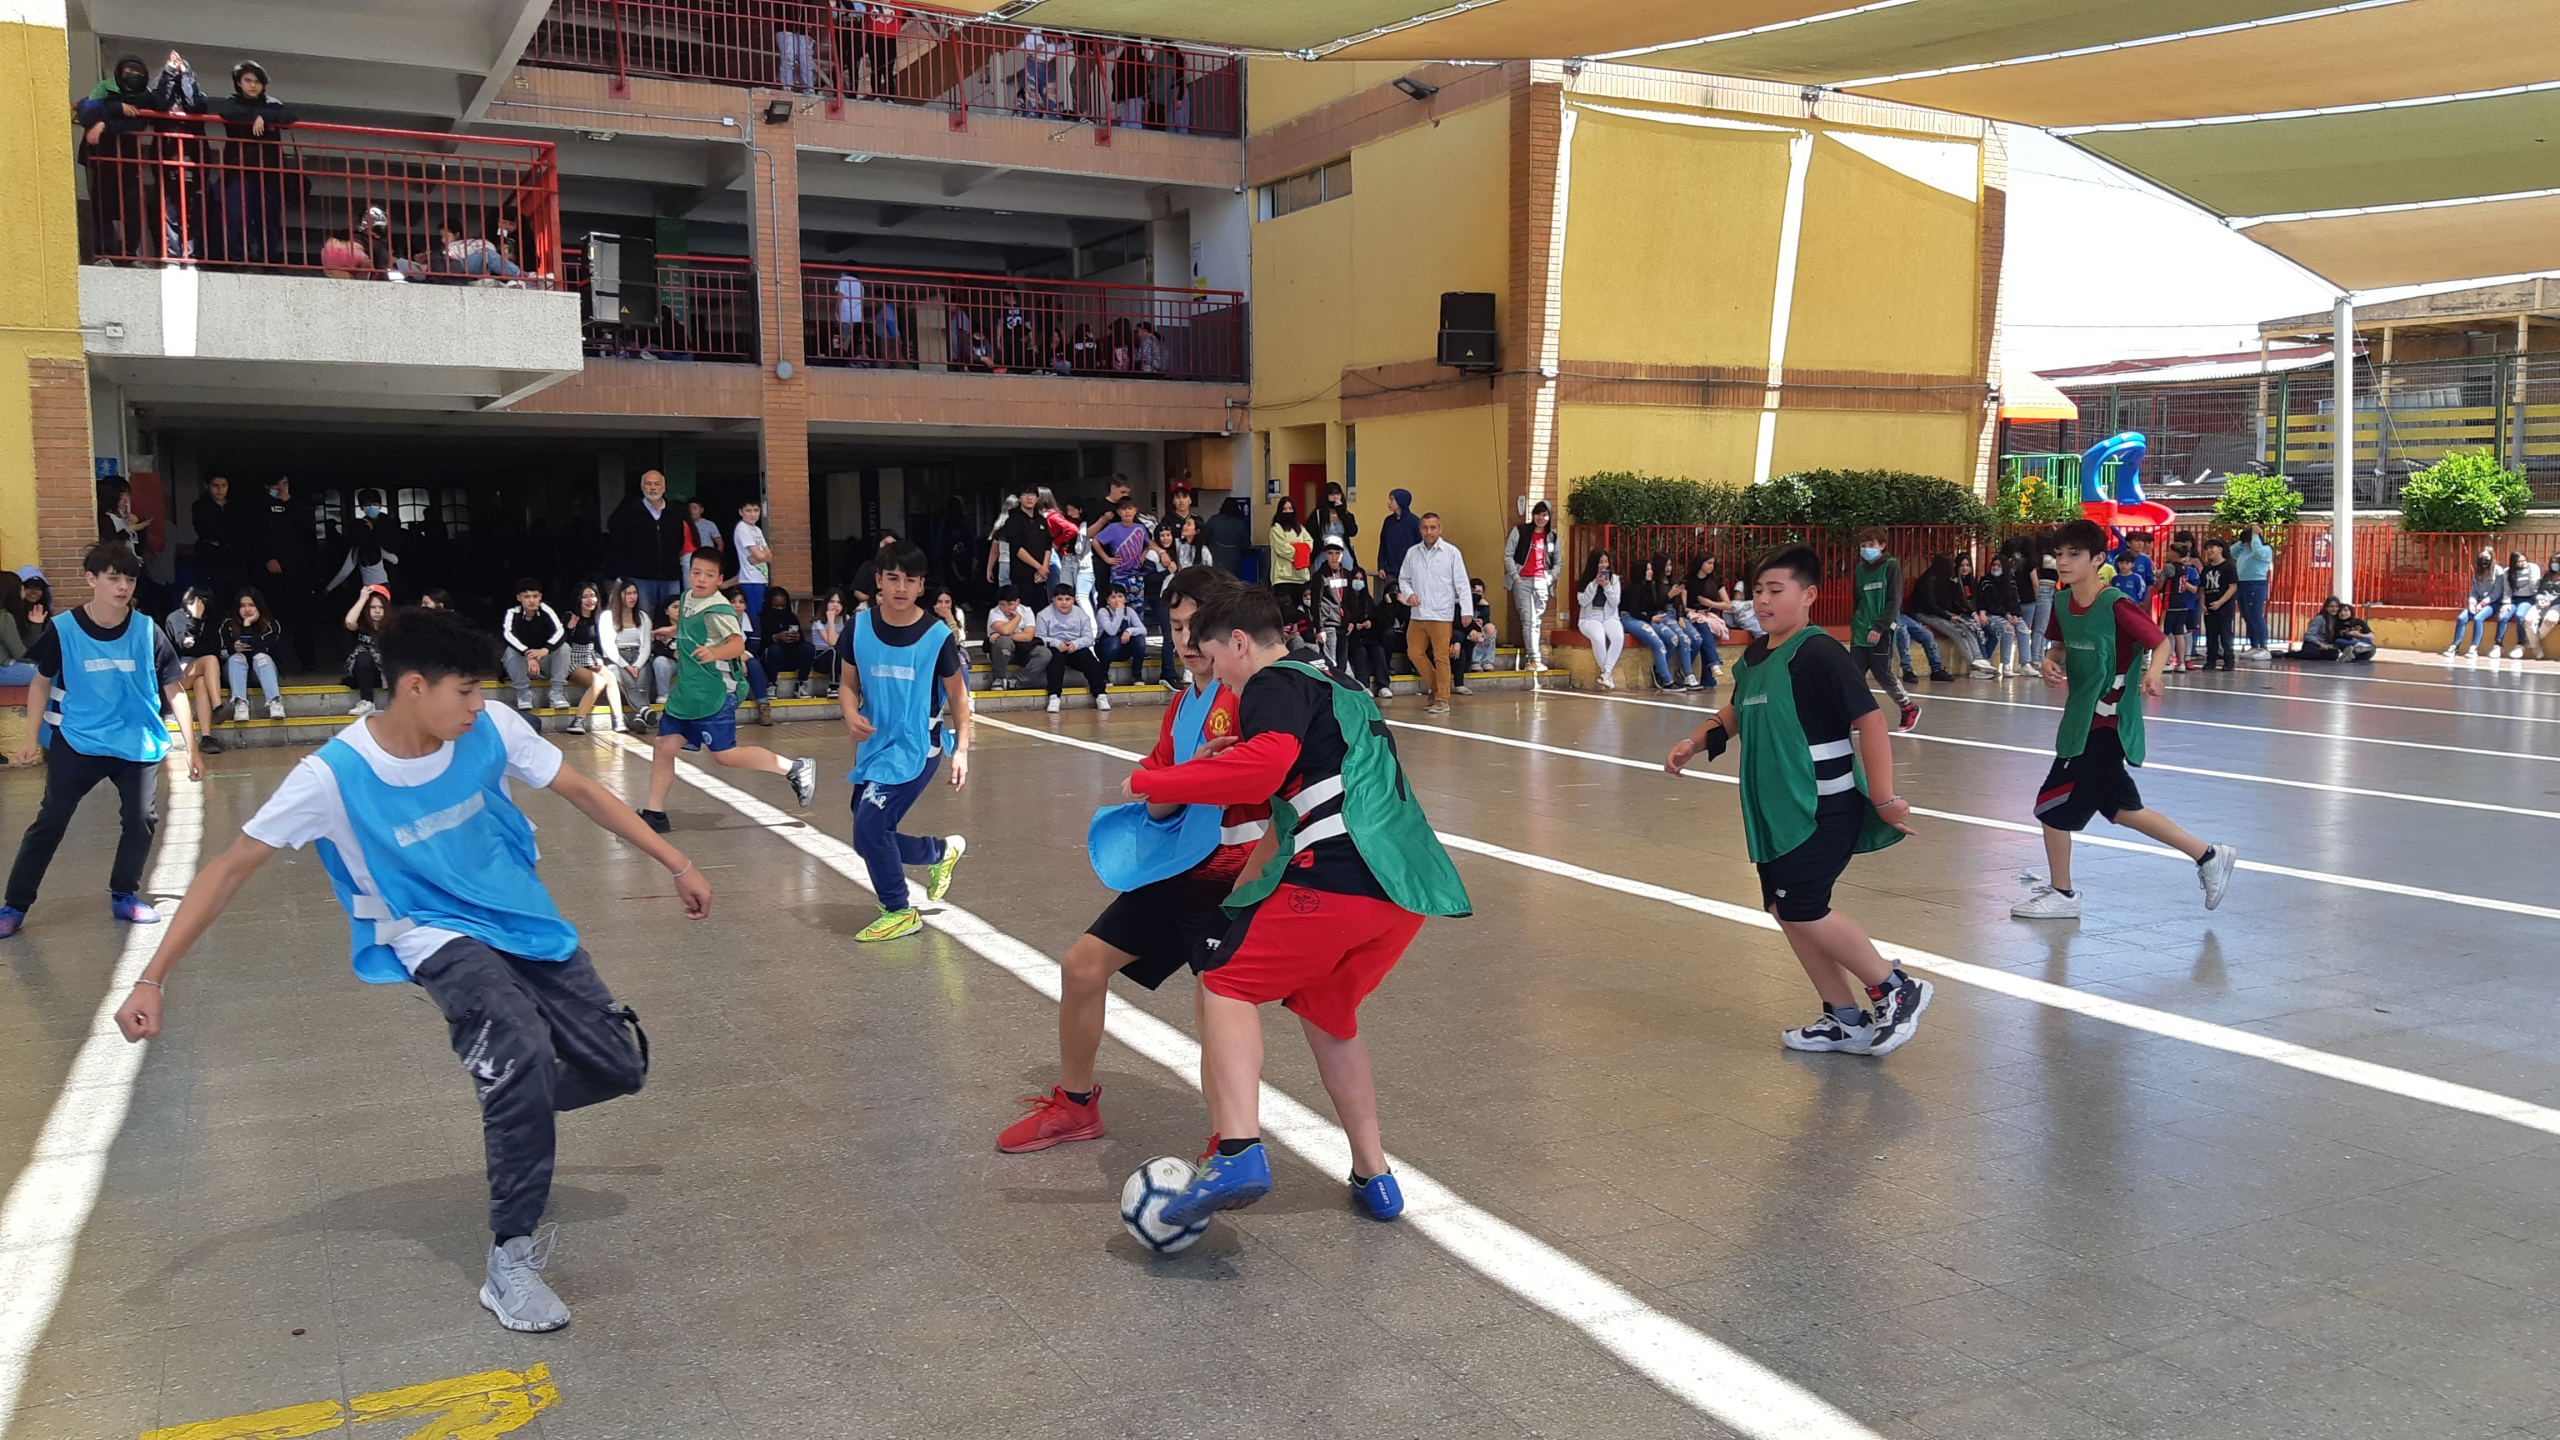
(2026,1223)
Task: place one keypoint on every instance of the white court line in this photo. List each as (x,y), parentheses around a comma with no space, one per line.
(2047,754)
(2425,1089)
(1711,1378)
(2365,705)
(2017,827)
(49,1206)
(2150,717)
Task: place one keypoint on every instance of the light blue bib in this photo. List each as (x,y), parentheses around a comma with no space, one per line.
(455,854)
(897,698)
(1130,848)
(108,701)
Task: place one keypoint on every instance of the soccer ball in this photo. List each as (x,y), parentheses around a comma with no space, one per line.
(1142,1202)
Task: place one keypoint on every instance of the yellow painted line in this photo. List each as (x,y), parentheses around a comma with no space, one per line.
(467,1407)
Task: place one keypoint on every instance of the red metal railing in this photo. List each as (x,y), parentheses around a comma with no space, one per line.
(2394,570)
(705,310)
(347,200)
(900,54)
(861,315)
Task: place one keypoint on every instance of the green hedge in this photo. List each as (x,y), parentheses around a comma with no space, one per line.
(2467,492)
(1829,499)
(2268,502)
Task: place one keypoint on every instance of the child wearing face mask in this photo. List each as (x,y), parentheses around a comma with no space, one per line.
(1876,581)
(367,558)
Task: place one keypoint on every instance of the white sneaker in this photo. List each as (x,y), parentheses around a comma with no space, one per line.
(785,690)
(2471,652)
(2214,872)
(2515,652)
(2448,650)
(2047,903)
(1827,1034)
(515,1291)
(804,780)
(1101,702)
(1053,703)
(1460,690)
(275,709)
(360,709)
(240,711)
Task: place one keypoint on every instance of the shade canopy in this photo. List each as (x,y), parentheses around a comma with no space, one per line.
(2375,142)
(2026,395)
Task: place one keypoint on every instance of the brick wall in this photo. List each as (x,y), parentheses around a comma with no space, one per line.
(784,403)
(66,488)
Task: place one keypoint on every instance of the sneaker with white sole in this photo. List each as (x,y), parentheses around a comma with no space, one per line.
(1101,702)
(240,710)
(275,709)
(1897,1015)
(577,724)
(1054,702)
(2214,873)
(1829,1034)
(804,780)
(360,709)
(2047,903)
(515,1291)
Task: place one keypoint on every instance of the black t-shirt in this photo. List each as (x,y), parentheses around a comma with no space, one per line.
(1301,706)
(2217,579)
(1830,693)
(46,653)
(1024,534)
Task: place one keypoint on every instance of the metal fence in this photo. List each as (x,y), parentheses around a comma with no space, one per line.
(706,310)
(899,55)
(2409,414)
(346,200)
(936,320)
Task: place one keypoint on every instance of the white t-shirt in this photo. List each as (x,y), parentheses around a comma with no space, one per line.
(750,572)
(307,807)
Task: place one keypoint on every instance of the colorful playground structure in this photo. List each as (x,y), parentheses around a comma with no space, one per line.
(2117,462)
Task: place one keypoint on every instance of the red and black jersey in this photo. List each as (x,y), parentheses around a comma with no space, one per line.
(2136,636)
(1241,827)
(1292,750)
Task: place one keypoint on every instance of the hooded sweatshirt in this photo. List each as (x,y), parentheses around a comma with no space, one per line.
(240,114)
(1401,532)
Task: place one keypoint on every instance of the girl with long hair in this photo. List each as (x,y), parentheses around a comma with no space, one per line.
(583,634)
(1531,558)
(197,641)
(249,641)
(364,668)
(1599,594)
(625,640)
(1293,556)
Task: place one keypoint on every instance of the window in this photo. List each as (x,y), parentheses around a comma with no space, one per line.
(457,512)
(413,507)
(326,513)
(1306,188)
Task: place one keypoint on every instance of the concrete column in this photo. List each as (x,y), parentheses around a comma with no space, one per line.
(784,419)
(2342,412)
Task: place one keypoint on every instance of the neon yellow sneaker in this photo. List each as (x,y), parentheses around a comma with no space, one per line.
(937,881)
(892,925)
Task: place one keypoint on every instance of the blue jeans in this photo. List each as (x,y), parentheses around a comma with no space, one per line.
(1115,648)
(655,595)
(877,809)
(17,672)
(2474,623)
(1161,623)
(2515,610)
(489,262)
(2253,611)
(1911,630)
(1665,646)
(2008,639)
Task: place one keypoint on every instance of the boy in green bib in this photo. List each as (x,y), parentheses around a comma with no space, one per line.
(702,709)
(1814,749)
(2107,657)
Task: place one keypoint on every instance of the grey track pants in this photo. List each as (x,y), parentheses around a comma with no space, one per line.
(1877,660)
(537,1037)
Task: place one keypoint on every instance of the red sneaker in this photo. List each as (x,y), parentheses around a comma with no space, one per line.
(1054,1120)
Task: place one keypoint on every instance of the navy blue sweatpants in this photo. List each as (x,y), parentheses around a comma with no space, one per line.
(877,809)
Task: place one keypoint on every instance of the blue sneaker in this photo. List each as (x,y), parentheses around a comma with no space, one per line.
(1382,1197)
(11,917)
(1224,1182)
(130,909)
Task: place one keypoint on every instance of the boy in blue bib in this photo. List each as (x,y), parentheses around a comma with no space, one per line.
(434,866)
(906,699)
(106,670)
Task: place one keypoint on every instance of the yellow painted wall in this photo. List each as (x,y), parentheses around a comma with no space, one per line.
(1276,90)
(1437,218)
(1940,445)
(1671,242)
(1687,442)
(1302,288)
(1904,307)
(39,258)
(1452,462)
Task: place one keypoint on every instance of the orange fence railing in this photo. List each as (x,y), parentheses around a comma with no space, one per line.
(704,309)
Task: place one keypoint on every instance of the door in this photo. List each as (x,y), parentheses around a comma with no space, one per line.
(1306,486)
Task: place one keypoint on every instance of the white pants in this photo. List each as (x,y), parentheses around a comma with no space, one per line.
(1608,641)
(1530,598)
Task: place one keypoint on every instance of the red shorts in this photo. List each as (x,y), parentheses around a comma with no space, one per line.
(1314,951)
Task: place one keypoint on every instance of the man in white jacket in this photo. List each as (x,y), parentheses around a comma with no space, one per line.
(1434,584)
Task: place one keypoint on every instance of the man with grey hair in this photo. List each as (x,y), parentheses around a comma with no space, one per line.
(644,541)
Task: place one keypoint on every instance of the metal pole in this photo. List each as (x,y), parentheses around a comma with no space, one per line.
(2342,518)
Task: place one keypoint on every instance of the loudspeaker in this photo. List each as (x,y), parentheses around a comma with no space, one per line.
(1466,329)
(622,280)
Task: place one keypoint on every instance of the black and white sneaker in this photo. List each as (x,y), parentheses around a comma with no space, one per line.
(1827,1034)
(1897,1015)
(804,780)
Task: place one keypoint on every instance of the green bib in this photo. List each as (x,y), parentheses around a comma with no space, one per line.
(2089,665)
(702,687)
(1779,789)
(1386,823)
(1874,584)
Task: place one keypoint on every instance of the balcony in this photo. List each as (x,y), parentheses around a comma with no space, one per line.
(997,324)
(899,56)
(347,201)
(705,310)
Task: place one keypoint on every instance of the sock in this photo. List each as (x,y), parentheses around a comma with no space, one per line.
(1360,1181)
(2059,890)
(1231,1148)
(1892,982)
(1846,1014)
(503,1239)
(1085,1098)
(2207,857)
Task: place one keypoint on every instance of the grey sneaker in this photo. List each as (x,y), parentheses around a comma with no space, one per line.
(804,780)
(1827,1034)
(2215,873)
(1460,690)
(2047,903)
(515,1291)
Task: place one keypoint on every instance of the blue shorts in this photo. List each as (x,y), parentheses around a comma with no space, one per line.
(715,732)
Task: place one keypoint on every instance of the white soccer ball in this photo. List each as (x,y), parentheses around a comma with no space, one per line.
(1142,1202)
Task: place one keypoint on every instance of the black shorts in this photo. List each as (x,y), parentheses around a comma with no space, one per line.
(1797,885)
(1162,925)
(2093,782)
(2177,620)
